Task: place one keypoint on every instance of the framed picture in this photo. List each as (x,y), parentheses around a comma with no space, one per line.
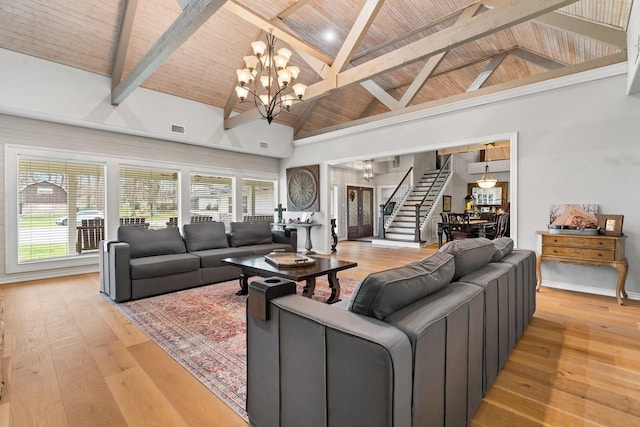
(446,203)
(610,225)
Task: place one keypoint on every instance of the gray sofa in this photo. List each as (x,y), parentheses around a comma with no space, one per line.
(417,345)
(145,262)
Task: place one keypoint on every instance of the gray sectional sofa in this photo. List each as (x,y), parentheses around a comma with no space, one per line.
(417,345)
(145,262)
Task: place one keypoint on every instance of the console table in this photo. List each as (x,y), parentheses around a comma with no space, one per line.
(600,250)
(308,245)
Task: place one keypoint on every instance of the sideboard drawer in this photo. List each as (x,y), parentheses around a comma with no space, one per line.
(564,251)
(580,242)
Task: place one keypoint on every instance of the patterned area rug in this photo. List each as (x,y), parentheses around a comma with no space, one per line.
(204,330)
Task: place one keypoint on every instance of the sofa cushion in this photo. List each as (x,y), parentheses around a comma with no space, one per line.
(145,242)
(205,235)
(469,254)
(382,293)
(250,233)
(163,265)
(504,246)
(210,258)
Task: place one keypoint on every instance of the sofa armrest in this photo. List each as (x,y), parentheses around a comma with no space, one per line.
(115,272)
(310,361)
(288,236)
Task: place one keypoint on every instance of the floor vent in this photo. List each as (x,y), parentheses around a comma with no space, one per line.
(177,129)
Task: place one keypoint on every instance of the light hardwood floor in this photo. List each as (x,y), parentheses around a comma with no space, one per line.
(71,358)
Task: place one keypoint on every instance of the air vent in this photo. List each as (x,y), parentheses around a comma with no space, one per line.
(264,145)
(177,129)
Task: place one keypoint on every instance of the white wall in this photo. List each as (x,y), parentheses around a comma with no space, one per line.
(576,143)
(34,88)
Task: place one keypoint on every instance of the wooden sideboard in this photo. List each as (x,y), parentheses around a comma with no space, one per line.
(599,250)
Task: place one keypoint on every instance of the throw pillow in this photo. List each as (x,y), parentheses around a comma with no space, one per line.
(250,233)
(205,235)
(145,242)
(504,246)
(469,254)
(382,293)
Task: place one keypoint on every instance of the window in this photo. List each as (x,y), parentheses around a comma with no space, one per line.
(148,196)
(53,199)
(212,196)
(258,198)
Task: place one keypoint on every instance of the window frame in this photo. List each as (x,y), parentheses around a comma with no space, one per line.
(12,155)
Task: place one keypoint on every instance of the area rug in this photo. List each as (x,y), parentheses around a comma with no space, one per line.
(204,329)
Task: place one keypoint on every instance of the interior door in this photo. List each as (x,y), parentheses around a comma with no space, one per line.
(360,212)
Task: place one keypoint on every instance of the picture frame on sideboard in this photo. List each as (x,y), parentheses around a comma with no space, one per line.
(610,225)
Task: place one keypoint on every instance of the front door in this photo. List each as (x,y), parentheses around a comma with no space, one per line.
(360,212)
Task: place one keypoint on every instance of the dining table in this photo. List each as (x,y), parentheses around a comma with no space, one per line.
(475,226)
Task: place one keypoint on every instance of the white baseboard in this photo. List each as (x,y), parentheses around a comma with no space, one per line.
(587,289)
(47,274)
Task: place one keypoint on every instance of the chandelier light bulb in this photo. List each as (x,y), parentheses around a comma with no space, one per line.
(258,48)
(251,62)
(264,99)
(242,92)
(280,61)
(299,89)
(284,77)
(244,77)
(294,71)
(285,52)
(266,81)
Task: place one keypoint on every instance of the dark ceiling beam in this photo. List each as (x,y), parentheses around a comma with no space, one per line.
(186,24)
(124,37)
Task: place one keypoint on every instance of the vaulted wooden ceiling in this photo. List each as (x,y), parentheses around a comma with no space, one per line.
(361,59)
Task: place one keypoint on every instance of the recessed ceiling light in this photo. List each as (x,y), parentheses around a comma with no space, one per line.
(329,35)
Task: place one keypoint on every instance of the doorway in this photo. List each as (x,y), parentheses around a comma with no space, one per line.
(360,212)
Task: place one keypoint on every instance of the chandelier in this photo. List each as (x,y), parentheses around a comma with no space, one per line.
(487,181)
(269,79)
(367,168)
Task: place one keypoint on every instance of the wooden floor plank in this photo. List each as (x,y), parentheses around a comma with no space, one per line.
(68,350)
(198,406)
(140,400)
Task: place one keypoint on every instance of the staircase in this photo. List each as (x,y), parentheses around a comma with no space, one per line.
(402,228)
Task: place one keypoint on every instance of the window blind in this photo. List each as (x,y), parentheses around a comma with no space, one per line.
(258,197)
(53,199)
(212,196)
(148,196)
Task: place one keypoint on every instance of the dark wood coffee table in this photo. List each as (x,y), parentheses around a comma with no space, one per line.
(256,265)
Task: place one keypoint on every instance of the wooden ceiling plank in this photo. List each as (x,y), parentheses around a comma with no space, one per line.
(486,73)
(561,72)
(356,34)
(409,34)
(188,22)
(124,37)
(537,59)
(292,9)
(308,109)
(434,61)
(278,31)
(492,21)
(593,30)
